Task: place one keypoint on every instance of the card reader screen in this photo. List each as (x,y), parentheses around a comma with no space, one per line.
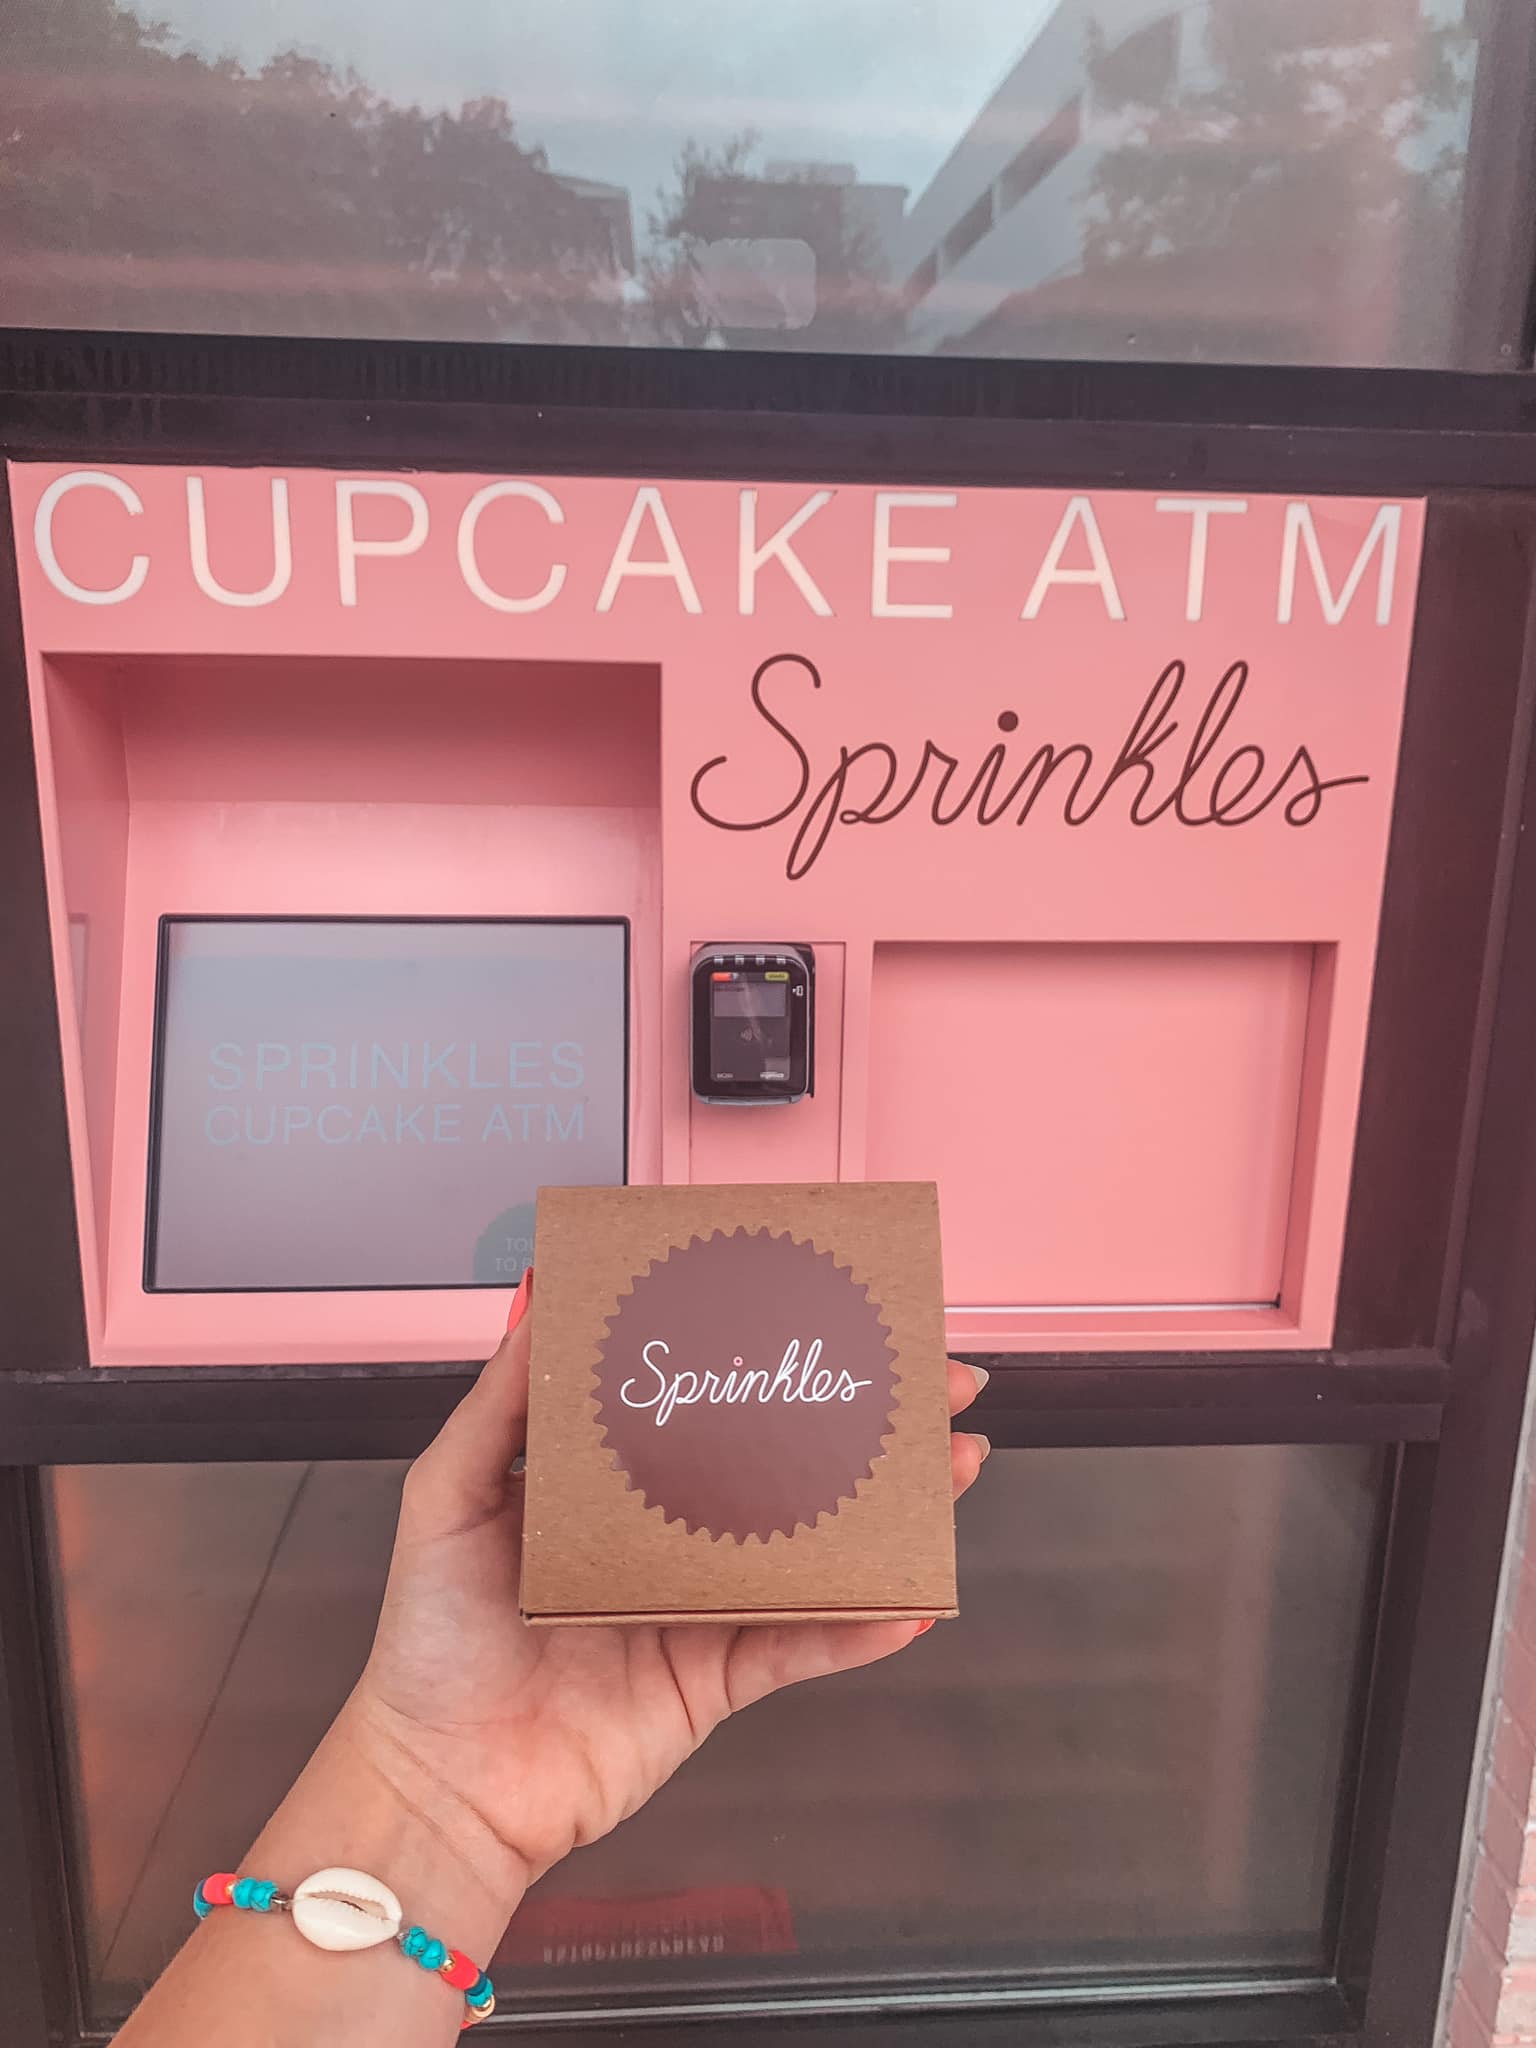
(751,998)
(750,1029)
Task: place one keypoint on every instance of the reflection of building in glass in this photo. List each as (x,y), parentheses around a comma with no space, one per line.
(1217,178)
(609,206)
(868,215)
(800,243)
(823,205)
(1001,216)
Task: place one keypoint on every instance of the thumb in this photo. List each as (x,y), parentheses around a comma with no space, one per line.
(463,1475)
(766,1658)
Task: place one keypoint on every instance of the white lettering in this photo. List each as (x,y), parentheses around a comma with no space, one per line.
(673,566)
(1079,512)
(525,1053)
(469,565)
(435,1063)
(816,1386)
(349,548)
(882,604)
(219,1059)
(42,536)
(567,1054)
(316,1058)
(1386,529)
(282,549)
(270,1059)
(401,1075)
(1200,511)
(776,548)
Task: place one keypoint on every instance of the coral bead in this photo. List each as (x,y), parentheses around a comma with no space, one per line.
(459,1971)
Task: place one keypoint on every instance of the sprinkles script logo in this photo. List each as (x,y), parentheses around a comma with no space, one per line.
(746,1384)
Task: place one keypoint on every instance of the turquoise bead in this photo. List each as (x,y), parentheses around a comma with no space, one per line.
(263,1892)
(240,1893)
(200,1905)
(414,1942)
(433,1956)
(480,1990)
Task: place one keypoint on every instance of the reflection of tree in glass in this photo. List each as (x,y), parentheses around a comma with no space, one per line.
(1315,146)
(133,176)
(719,199)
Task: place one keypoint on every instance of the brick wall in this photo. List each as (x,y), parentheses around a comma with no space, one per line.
(1491,1991)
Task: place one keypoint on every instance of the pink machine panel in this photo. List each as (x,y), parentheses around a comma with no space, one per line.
(384,816)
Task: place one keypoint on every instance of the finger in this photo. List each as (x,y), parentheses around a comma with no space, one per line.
(965,1383)
(498,1401)
(764,1660)
(463,1475)
(967,1454)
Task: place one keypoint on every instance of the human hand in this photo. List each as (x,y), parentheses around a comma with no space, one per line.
(520,1744)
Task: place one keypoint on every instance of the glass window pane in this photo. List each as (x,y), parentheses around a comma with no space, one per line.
(1126,1760)
(1244,180)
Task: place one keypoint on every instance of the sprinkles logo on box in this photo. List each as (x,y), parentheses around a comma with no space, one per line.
(746,1384)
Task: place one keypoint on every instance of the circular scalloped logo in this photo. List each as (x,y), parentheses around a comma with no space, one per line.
(746,1384)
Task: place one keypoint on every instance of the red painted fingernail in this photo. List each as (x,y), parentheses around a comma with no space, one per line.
(923,1627)
(520,1300)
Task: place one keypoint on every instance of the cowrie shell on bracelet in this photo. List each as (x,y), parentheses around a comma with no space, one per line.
(346,1909)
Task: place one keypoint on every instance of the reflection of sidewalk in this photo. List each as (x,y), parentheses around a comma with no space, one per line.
(192,1715)
(1126,1754)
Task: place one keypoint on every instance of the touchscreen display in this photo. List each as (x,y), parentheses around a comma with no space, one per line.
(368,1103)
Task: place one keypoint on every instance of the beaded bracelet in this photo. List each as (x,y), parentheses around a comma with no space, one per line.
(347,1909)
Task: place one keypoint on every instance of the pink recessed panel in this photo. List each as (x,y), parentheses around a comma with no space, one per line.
(1082,798)
(1123,1131)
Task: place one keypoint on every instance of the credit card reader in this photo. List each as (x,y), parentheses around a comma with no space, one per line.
(754,1023)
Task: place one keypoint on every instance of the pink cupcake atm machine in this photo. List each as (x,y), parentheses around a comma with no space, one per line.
(416,840)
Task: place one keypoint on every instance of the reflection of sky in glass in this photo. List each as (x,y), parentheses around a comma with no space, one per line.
(1241,180)
(613,88)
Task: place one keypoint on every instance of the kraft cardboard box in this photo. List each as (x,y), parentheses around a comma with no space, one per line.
(738,1408)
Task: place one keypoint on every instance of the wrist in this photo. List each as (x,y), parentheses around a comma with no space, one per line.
(365,1803)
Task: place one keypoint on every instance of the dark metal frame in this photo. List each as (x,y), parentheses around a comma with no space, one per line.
(1438,1298)
(1494,325)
